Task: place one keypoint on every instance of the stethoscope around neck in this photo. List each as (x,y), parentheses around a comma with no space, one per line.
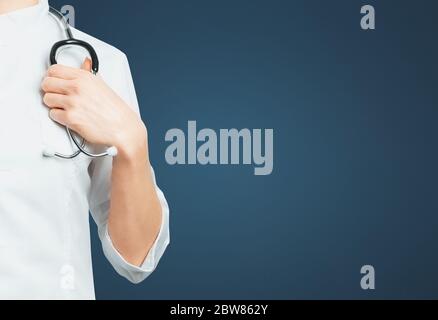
(80,143)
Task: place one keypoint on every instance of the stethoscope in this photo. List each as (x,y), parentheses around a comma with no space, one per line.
(71,41)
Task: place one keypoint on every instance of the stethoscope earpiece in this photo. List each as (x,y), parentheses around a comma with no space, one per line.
(49,152)
(112,152)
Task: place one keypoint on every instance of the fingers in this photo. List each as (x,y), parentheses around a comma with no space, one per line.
(67,118)
(56,85)
(62,86)
(65,80)
(87,65)
(59,115)
(56,100)
(65,72)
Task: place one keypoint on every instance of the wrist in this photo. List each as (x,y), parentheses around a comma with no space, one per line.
(132,146)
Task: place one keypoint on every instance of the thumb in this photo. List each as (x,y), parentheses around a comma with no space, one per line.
(86,65)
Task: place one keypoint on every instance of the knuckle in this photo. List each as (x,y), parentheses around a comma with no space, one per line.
(69,118)
(76,86)
(73,101)
(73,119)
(53,69)
(84,74)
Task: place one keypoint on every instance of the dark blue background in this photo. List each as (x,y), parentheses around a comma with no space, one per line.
(355,120)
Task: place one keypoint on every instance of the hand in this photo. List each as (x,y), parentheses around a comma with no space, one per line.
(87,105)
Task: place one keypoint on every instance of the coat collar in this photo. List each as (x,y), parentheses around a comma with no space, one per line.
(16,23)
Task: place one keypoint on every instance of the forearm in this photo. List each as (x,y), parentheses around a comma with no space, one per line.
(135,211)
(88,106)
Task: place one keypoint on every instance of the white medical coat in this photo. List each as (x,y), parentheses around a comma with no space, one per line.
(45,202)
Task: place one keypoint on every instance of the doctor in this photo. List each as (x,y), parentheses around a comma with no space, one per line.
(44,202)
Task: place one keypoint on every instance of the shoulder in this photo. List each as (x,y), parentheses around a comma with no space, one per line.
(112,59)
(113,63)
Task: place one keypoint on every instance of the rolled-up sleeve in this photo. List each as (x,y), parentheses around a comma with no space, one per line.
(99,199)
(131,272)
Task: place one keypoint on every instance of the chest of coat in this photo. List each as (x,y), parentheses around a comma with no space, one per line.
(25,127)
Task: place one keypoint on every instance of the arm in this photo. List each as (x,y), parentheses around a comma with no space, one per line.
(135,211)
(85,104)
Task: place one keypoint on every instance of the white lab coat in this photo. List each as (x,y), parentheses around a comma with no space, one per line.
(45,202)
